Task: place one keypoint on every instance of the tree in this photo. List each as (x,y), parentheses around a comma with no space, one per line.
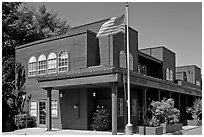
(22,24)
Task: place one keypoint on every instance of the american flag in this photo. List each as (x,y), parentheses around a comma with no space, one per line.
(112,26)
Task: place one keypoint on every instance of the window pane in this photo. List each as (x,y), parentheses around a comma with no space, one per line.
(63,61)
(54,108)
(33,109)
(32,67)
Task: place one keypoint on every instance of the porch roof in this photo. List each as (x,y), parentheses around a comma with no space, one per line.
(108,74)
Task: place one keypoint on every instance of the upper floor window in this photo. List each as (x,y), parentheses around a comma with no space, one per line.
(171,75)
(144,70)
(42,65)
(197,83)
(184,76)
(167,73)
(32,66)
(62,61)
(139,68)
(131,61)
(122,59)
(52,63)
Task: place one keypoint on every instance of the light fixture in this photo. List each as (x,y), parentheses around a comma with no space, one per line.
(94,94)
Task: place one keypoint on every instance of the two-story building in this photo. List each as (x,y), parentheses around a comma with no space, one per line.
(70,76)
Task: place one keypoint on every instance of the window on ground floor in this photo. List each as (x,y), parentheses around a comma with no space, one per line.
(33,108)
(120,107)
(54,108)
(133,107)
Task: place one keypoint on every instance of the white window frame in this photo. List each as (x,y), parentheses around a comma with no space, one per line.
(167,73)
(61,60)
(144,70)
(32,66)
(33,108)
(122,58)
(139,68)
(42,64)
(52,63)
(54,108)
(171,75)
(131,61)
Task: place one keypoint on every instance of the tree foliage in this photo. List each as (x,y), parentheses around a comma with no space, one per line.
(196,109)
(22,24)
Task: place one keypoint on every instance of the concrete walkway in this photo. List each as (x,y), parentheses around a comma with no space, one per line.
(189,130)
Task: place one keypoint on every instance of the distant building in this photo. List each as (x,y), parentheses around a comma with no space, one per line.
(189,75)
(70,76)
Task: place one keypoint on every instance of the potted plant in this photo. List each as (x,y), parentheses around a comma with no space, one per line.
(196,112)
(169,116)
(151,123)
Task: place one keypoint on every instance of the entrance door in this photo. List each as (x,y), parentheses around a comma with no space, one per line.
(42,112)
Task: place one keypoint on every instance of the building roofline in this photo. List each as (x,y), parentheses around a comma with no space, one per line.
(187,66)
(70,33)
(162,46)
(54,38)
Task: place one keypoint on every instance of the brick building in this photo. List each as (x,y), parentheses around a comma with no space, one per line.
(70,76)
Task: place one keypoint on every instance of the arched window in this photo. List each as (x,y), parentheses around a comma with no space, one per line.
(167,74)
(62,61)
(184,76)
(131,61)
(32,66)
(42,65)
(139,69)
(171,75)
(144,70)
(122,59)
(52,63)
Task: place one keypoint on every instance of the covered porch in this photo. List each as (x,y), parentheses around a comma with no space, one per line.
(85,86)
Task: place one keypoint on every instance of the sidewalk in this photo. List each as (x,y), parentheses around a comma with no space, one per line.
(186,130)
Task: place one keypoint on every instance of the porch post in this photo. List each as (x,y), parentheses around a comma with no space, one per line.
(159,95)
(179,105)
(144,109)
(114,109)
(170,93)
(49,109)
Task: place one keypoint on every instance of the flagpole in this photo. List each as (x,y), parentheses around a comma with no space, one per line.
(129,130)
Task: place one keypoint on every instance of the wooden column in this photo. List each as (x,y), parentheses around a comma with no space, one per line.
(159,95)
(179,105)
(114,109)
(49,109)
(144,102)
(170,93)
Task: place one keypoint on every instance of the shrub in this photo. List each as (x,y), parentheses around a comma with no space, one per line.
(170,114)
(25,121)
(196,109)
(101,119)
(163,112)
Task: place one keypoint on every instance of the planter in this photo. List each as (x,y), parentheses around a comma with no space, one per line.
(171,127)
(194,122)
(150,130)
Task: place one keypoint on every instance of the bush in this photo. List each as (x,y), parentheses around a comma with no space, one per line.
(196,109)
(162,112)
(25,121)
(101,120)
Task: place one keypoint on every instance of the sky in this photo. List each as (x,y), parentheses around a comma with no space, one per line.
(177,26)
